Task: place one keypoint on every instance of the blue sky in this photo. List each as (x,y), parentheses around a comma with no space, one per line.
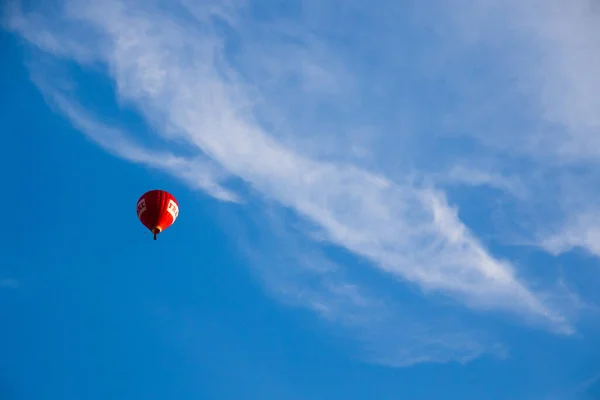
(378,200)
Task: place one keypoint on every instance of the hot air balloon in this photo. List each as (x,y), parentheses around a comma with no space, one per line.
(157,210)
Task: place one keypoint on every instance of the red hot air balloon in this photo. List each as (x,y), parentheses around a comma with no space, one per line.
(157,210)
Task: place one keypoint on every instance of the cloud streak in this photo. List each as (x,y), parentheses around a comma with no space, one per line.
(391,332)
(198,172)
(282,108)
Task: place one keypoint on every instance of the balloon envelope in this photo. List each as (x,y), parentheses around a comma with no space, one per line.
(157,210)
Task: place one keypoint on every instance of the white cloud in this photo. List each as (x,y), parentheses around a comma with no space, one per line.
(392,332)
(463,175)
(198,172)
(282,108)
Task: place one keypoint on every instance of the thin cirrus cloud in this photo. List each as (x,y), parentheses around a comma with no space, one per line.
(282,106)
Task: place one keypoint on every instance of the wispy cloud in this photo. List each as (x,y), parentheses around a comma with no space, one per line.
(342,133)
(391,331)
(462,175)
(198,172)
